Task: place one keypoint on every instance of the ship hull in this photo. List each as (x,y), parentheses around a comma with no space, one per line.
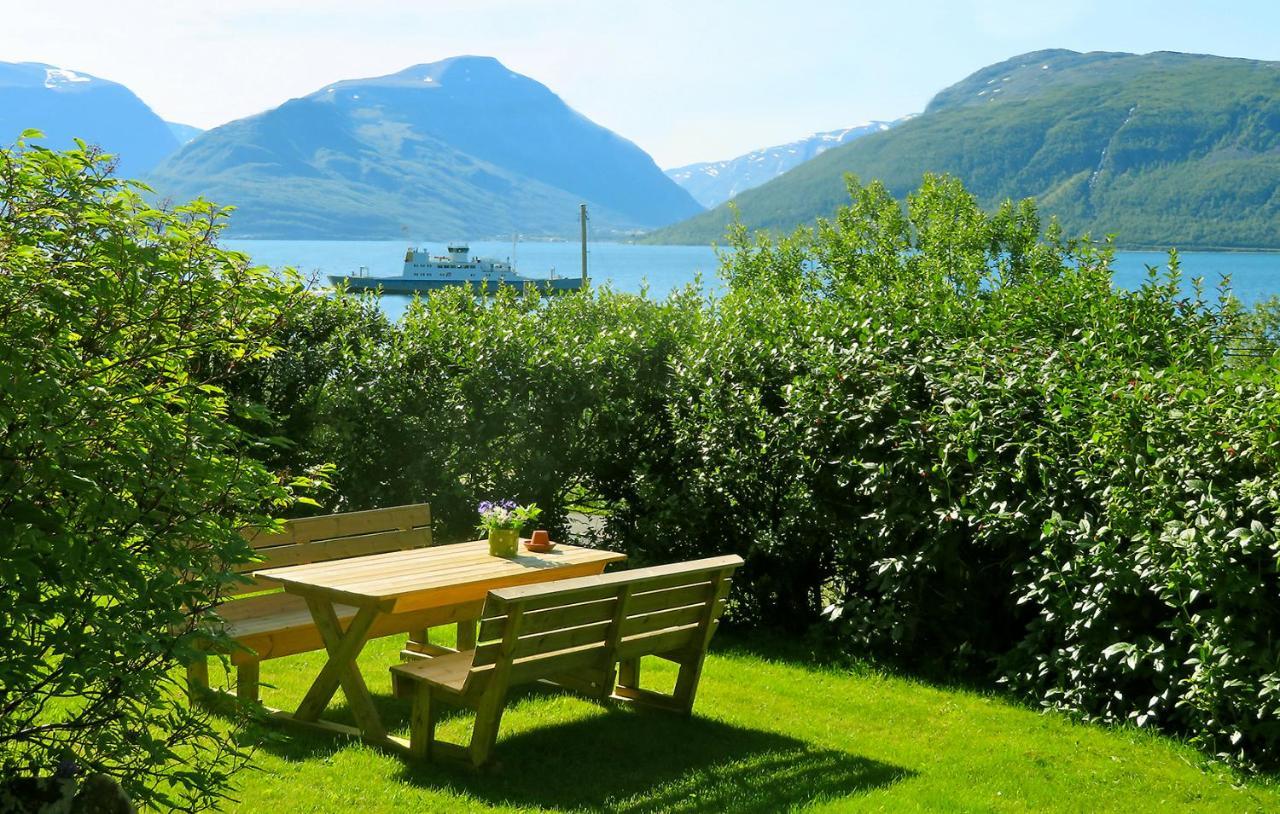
(402,285)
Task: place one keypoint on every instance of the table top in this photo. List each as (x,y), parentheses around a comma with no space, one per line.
(435,576)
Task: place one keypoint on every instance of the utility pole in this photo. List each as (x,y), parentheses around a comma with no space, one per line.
(582,209)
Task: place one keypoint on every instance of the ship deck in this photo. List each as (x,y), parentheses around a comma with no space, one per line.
(401,285)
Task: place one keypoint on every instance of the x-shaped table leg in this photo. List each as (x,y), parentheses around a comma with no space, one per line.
(344,648)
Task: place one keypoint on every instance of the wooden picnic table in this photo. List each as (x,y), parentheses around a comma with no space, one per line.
(404,583)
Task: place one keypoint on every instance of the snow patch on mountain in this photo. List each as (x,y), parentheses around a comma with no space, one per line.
(712,183)
(56,77)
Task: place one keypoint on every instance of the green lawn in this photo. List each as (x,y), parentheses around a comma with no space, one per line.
(768,734)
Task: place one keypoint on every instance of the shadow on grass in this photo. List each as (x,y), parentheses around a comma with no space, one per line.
(627,760)
(633,761)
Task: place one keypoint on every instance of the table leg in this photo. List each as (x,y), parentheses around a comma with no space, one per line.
(467,634)
(344,648)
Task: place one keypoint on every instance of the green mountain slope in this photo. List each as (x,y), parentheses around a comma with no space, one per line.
(1159,149)
(462,148)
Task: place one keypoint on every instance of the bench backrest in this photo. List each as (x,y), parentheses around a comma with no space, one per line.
(336,537)
(536,631)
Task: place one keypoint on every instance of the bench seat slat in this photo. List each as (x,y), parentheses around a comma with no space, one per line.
(274,643)
(271,613)
(275,624)
(449,671)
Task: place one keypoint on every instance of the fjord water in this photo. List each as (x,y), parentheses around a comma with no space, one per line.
(625,266)
(1254,276)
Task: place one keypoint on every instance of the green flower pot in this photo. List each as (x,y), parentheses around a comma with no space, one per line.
(503,542)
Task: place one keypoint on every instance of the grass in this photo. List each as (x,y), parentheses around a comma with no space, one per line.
(769,733)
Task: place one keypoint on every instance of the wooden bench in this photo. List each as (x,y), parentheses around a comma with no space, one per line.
(582,633)
(275,624)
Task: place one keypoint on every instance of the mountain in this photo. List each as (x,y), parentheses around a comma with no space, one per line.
(459,148)
(66,104)
(183,132)
(1162,149)
(711,183)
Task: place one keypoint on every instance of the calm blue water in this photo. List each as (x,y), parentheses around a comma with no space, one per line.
(626,267)
(631,268)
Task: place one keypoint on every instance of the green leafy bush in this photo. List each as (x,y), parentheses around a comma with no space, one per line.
(122,481)
(942,430)
(550,403)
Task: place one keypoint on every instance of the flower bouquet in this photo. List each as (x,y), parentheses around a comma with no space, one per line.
(502,521)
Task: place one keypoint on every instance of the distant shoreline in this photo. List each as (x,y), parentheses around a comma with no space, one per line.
(1163,249)
(1132,248)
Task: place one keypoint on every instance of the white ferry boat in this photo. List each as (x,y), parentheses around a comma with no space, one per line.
(424,272)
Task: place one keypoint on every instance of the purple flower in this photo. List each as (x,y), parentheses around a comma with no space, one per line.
(485,507)
(508,504)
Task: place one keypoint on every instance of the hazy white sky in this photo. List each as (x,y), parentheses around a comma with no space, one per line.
(687,81)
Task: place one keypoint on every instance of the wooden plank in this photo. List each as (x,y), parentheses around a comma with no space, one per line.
(359,699)
(646,697)
(197,679)
(277,644)
(252,585)
(306,529)
(393,582)
(426,572)
(441,751)
(629,673)
(617,624)
(422,723)
(343,647)
(447,569)
(581,613)
(247,675)
(691,672)
(318,725)
(590,681)
(411,600)
(658,620)
(548,665)
(269,612)
(484,732)
(568,616)
(448,671)
(486,653)
(645,600)
(437,556)
(396,573)
(429,649)
(341,548)
(550,641)
(466,635)
(598,587)
(654,642)
(491,627)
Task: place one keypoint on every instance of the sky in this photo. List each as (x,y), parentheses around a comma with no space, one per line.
(688,81)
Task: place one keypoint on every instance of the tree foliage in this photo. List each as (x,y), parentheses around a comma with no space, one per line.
(123,479)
